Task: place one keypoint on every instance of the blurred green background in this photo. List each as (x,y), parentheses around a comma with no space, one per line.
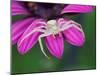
(74,58)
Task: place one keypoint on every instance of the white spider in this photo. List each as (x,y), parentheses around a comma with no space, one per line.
(52,27)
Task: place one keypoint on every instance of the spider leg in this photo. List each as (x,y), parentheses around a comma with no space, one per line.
(29,34)
(42,23)
(72,25)
(65,27)
(80,29)
(41,45)
(73,22)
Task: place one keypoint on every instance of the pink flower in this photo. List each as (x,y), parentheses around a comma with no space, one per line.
(27,32)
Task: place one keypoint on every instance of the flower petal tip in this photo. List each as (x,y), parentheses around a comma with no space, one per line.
(22,50)
(74,8)
(59,57)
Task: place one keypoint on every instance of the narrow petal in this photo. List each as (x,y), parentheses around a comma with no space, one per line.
(73,8)
(26,43)
(55,45)
(74,36)
(18,9)
(19,27)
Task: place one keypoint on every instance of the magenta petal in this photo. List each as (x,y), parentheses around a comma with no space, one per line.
(73,8)
(55,45)
(25,45)
(74,36)
(19,27)
(17,9)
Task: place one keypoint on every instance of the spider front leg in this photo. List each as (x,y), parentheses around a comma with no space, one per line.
(31,33)
(41,45)
(73,22)
(79,27)
(70,24)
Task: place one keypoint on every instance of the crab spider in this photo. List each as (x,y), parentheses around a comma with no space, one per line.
(52,27)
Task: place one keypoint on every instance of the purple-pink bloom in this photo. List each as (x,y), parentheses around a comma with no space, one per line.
(28,31)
